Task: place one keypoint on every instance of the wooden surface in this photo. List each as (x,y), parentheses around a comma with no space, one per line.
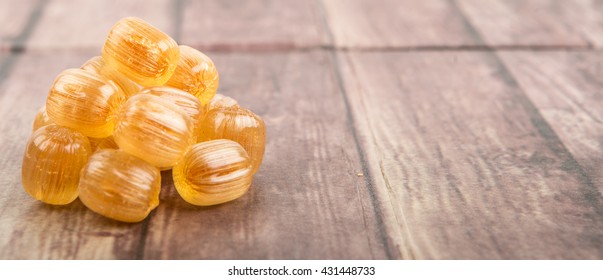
(392,23)
(536,23)
(251,25)
(396,129)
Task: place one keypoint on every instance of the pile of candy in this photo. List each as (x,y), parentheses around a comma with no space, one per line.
(145,105)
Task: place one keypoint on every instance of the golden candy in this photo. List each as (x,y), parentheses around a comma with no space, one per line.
(213,172)
(119,186)
(52,162)
(196,74)
(97,65)
(102,143)
(240,125)
(85,102)
(188,103)
(141,52)
(154,130)
(109,127)
(41,119)
(220,102)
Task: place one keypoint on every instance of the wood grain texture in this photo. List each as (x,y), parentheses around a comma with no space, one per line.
(567,88)
(85,24)
(536,22)
(370,154)
(29,229)
(13,20)
(470,167)
(252,25)
(396,23)
(307,201)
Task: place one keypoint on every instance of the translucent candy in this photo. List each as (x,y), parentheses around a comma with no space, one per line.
(108,129)
(52,162)
(85,102)
(196,74)
(220,102)
(141,52)
(102,143)
(97,65)
(213,172)
(41,119)
(120,186)
(185,101)
(240,125)
(154,130)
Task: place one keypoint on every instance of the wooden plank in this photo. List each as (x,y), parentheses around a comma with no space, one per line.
(568,90)
(30,229)
(4,71)
(471,168)
(307,201)
(536,22)
(396,23)
(263,25)
(13,19)
(85,24)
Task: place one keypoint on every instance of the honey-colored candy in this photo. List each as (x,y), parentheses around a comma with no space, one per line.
(240,125)
(196,74)
(102,143)
(141,52)
(41,119)
(120,186)
(188,103)
(213,172)
(109,127)
(52,162)
(97,65)
(85,102)
(154,130)
(220,102)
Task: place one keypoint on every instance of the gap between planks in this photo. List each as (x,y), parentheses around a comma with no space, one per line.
(280,48)
(387,242)
(17,47)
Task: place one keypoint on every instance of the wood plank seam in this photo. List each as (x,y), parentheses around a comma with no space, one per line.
(177,9)
(365,169)
(15,50)
(536,22)
(553,141)
(178,15)
(352,127)
(467,48)
(406,238)
(144,231)
(277,48)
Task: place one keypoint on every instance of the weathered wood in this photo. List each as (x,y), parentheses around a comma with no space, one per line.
(396,23)
(307,201)
(567,89)
(85,24)
(470,166)
(536,22)
(30,229)
(13,20)
(463,161)
(252,25)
